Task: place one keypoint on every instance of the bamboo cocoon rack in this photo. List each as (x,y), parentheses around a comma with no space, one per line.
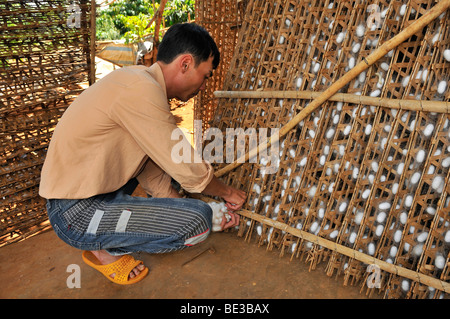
(389,45)
(344,250)
(402,104)
(367,259)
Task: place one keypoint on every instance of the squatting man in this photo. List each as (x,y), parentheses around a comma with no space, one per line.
(116,135)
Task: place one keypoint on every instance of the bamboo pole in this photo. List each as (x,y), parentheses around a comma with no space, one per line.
(412,29)
(402,104)
(344,250)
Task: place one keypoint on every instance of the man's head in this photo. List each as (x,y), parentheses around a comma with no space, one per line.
(188,55)
(188,38)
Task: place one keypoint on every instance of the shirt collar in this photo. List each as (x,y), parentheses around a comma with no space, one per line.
(156,72)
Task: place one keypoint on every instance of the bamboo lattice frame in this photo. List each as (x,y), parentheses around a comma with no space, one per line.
(45,53)
(371,178)
(222,19)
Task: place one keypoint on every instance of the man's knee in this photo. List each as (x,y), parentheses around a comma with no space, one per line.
(203,221)
(205,211)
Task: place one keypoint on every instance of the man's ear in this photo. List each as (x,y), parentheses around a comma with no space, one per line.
(186,61)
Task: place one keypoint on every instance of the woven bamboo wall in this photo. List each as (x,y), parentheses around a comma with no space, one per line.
(370,178)
(222,19)
(44,56)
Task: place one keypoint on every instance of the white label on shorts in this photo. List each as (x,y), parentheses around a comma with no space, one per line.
(123,221)
(95,221)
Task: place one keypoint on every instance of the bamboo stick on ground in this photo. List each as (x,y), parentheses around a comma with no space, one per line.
(389,45)
(402,104)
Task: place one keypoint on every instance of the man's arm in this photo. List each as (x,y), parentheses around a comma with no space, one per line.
(234,198)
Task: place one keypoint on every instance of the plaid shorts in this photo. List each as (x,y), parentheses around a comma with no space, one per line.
(121,223)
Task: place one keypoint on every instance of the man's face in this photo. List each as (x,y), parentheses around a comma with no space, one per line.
(194,79)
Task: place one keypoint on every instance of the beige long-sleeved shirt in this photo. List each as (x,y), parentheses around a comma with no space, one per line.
(117,129)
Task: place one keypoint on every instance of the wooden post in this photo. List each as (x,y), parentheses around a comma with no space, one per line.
(92,43)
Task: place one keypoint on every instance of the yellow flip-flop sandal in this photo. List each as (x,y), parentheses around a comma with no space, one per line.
(121,268)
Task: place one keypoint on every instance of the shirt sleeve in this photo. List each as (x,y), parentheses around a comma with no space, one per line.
(145,114)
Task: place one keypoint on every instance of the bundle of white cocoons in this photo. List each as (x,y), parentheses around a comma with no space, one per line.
(219,210)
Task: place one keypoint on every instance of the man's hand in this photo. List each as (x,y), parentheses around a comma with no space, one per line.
(234,220)
(235,200)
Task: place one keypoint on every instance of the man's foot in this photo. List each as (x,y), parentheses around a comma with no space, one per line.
(105,258)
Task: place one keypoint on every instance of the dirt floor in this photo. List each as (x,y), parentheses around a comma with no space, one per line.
(42,266)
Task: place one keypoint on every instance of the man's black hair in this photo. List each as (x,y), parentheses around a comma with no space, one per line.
(188,38)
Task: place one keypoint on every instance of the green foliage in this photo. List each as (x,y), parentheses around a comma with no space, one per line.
(136,26)
(127,19)
(106,30)
(176,11)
